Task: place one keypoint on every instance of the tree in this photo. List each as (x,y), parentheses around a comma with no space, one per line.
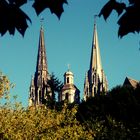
(13,17)
(115,115)
(56,85)
(42,123)
(4,85)
(128,15)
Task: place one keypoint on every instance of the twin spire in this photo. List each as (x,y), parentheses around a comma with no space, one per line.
(95,60)
(95,80)
(41,58)
(39,88)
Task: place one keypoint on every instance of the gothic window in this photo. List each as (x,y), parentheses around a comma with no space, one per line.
(67,80)
(94,90)
(87,90)
(39,95)
(32,94)
(93,79)
(86,97)
(67,96)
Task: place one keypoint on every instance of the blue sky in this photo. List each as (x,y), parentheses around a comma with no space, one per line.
(68,41)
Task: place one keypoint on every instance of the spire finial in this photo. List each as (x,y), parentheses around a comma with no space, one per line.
(95,16)
(68,67)
(41,21)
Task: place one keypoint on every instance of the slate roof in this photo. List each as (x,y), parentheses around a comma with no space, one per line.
(130,82)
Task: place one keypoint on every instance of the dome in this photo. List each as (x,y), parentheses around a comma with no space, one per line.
(68,73)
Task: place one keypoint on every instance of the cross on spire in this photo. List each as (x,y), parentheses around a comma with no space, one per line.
(68,67)
(95,16)
(41,21)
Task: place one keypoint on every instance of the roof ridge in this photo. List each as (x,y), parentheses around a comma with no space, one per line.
(129,78)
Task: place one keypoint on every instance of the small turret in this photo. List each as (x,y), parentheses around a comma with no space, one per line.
(69,91)
(68,78)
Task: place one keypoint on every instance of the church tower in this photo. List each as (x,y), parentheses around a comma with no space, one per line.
(95,80)
(39,88)
(69,91)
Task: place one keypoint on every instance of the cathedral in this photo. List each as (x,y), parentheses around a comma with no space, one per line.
(39,88)
(95,80)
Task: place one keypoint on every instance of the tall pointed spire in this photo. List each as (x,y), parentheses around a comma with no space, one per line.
(39,87)
(95,81)
(95,60)
(41,59)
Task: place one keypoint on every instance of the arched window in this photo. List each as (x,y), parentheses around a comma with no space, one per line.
(94,90)
(67,96)
(67,80)
(93,79)
(87,89)
(39,95)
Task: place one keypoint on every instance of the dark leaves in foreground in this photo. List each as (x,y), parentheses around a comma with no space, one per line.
(110,6)
(18,2)
(55,6)
(130,17)
(129,21)
(12,17)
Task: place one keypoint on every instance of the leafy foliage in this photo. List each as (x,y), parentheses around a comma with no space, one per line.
(55,85)
(112,116)
(117,112)
(4,85)
(110,6)
(13,17)
(41,124)
(55,6)
(129,17)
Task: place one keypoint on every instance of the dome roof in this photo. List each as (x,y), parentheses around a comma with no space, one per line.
(68,73)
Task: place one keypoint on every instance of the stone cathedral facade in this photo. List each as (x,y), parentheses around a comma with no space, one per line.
(39,87)
(95,80)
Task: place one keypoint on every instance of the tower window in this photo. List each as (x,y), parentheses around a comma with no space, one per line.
(94,90)
(67,96)
(87,90)
(67,80)
(39,95)
(93,79)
